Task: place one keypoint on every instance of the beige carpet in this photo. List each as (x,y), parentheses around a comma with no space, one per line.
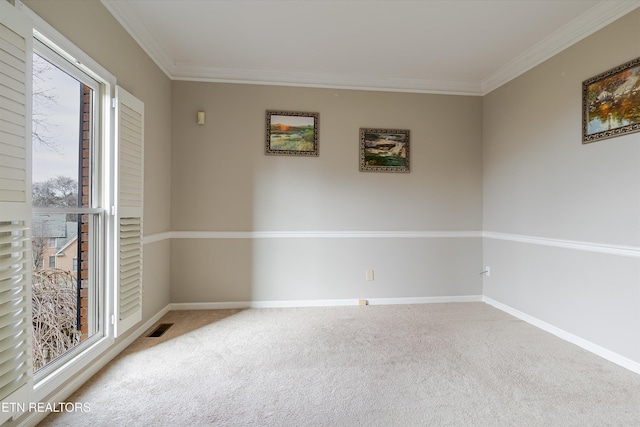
(462,364)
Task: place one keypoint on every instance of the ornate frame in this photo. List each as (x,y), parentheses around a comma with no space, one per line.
(614,94)
(283,124)
(395,151)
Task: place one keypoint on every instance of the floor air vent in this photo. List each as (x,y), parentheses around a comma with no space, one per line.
(161,329)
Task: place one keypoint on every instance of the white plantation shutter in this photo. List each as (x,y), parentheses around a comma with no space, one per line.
(130,137)
(16,42)
(14,104)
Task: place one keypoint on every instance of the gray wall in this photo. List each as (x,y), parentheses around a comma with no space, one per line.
(540,181)
(94,30)
(223,181)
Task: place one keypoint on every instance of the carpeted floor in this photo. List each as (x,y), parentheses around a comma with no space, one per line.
(465,364)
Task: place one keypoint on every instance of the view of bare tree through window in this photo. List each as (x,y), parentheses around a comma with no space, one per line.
(61,140)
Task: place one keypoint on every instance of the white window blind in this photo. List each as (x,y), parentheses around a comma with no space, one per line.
(130,176)
(15,211)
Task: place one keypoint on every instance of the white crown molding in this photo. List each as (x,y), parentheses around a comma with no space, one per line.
(188,72)
(127,17)
(597,17)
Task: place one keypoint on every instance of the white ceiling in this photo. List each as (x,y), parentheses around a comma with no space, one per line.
(449,46)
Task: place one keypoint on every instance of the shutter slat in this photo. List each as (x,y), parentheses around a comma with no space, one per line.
(11,145)
(8,273)
(14,352)
(13,288)
(10,262)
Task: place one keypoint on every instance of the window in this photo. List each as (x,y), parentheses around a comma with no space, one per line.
(86,197)
(65,198)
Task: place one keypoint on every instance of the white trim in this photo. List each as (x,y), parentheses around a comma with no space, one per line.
(159,237)
(595,18)
(320,302)
(425,300)
(567,336)
(78,380)
(628,251)
(187,72)
(620,250)
(65,48)
(126,16)
(180,306)
(320,234)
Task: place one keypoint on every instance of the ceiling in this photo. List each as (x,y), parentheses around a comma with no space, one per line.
(467,47)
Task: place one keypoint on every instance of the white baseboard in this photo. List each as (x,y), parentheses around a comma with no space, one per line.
(425,300)
(178,306)
(567,336)
(34,418)
(320,302)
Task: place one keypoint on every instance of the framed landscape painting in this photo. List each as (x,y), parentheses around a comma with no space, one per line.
(384,150)
(292,133)
(611,103)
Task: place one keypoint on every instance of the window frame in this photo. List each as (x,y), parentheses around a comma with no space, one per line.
(47,384)
(95,265)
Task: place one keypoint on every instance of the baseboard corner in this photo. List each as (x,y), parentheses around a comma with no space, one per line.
(596,349)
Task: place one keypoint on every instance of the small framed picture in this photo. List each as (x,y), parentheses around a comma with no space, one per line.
(611,103)
(291,133)
(384,150)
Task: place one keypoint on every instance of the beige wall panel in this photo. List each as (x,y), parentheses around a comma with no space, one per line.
(284,269)
(156,293)
(222,180)
(211,270)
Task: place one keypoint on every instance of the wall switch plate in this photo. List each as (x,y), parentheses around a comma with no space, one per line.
(369,275)
(487,271)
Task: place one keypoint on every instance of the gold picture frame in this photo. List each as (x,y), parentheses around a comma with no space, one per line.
(384,150)
(291,133)
(611,103)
